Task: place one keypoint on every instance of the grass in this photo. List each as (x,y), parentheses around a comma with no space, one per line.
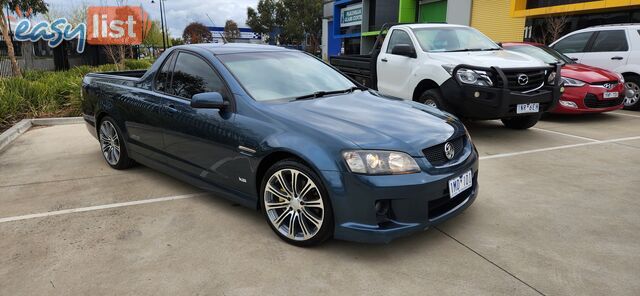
(48,93)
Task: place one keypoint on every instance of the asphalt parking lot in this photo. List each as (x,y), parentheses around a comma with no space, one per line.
(557,214)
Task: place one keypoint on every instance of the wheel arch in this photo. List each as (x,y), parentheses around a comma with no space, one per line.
(424,85)
(272,158)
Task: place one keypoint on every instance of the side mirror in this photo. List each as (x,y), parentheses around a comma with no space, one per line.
(208,100)
(406,50)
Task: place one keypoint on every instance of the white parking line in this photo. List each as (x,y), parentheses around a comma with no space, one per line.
(177,197)
(563,134)
(558,148)
(101,207)
(625,114)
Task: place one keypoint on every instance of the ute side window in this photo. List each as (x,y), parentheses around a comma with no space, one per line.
(614,40)
(163,79)
(192,75)
(398,37)
(574,43)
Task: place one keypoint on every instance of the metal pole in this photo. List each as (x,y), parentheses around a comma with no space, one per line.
(164,44)
(9,22)
(163,15)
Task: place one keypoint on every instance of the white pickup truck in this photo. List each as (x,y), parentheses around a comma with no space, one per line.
(457,69)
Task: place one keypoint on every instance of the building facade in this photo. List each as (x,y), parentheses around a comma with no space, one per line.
(351,26)
(573,14)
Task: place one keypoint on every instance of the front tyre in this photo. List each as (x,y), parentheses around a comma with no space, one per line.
(521,122)
(633,102)
(112,145)
(296,204)
(433,98)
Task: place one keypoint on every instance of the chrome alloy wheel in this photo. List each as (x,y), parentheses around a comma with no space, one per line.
(630,101)
(109,142)
(293,204)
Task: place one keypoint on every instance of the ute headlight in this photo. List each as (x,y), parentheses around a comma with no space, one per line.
(474,77)
(552,78)
(572,82)
(372,162)
(449,68)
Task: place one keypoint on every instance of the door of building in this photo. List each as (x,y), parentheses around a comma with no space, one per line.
(433,12)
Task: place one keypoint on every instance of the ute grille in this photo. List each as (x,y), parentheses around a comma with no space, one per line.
(435,154)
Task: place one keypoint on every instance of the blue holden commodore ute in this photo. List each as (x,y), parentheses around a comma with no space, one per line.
(281,131)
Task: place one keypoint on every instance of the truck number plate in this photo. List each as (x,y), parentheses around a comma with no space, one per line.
(611,95)
(461,183)
(528,108)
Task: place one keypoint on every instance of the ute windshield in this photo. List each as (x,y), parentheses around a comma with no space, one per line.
(451,39)
(285,75)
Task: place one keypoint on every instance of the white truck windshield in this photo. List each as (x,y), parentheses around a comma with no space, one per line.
(448,39)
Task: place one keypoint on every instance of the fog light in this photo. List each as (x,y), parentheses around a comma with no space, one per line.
(382,207)
(476,94)
(568,104)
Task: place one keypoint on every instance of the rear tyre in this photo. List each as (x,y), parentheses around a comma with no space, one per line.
(522,122)
(433,98)
(632,82)
(296,204)
(112,145)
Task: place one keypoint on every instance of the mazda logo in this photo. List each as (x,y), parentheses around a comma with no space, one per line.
(608,85)
(523,79)
(449,151)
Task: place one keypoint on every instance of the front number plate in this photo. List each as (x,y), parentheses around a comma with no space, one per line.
(461,183)
(528,108)
(611,95)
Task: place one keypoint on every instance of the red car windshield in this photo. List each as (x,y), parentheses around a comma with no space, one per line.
(546,54)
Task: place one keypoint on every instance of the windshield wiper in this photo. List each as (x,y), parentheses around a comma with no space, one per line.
(323,93)
(472,49)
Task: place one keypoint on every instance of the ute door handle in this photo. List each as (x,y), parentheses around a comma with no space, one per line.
(384,60)
(617,58)
(171,108)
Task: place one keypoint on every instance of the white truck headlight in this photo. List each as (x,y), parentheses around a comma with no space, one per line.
(552,78)
(572,82)
(474,77)
(374,162)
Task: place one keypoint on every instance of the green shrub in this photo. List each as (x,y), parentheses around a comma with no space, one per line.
(137,64)
(49,93)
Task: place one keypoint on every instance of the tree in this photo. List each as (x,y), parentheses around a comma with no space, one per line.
(30,8)
(197,33)
(176,41)
(296,20)
(266,18)
(231,31)
(553,28)
(302,20)
(153,37)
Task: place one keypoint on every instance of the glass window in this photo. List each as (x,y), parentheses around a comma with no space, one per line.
(442,39)
(164,76)
(192,76)
(574,43)
(398,37)
(278,75)
(547,55)
(614,40)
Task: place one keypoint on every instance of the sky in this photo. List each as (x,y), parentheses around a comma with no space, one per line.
(179,12)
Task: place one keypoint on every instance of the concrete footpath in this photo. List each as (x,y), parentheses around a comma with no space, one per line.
(557,214)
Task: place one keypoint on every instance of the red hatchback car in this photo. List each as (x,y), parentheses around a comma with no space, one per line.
(587,89)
